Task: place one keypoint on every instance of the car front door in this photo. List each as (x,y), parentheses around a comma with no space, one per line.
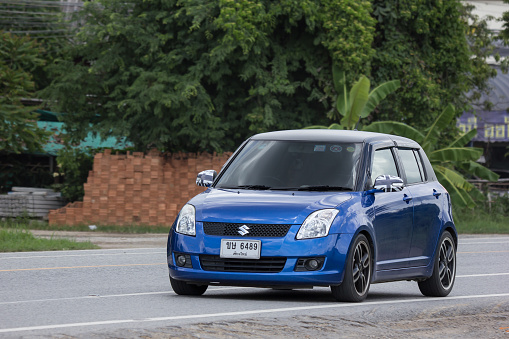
(392,215)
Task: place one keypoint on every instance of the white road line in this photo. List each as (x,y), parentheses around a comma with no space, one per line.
(252,312)
(482,243)
(80,255)
(111,296)
(214,289)
(487,238)
(480,275)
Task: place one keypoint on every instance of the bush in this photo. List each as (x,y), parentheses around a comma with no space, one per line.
(74,166)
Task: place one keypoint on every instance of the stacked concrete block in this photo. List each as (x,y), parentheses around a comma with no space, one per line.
(137,189)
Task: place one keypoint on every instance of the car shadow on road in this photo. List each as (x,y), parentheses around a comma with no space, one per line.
(297,295)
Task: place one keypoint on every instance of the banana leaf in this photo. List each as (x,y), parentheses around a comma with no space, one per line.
(332,126)
(479,170)
(456,154)
(442,122)
(464,139)
(335,126)
(378,94)
(315,127)
(458,195)
(340,85)
(358,99)
(455,178)
(394,127)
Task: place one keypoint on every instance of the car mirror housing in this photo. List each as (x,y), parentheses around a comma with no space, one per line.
(206,178)
(388,183)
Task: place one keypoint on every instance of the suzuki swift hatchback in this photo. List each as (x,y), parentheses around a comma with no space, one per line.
(304,208)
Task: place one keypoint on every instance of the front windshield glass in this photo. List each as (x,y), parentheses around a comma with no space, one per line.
(295,165)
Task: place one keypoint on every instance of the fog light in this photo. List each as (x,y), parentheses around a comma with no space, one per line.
(312,264)
(309,264)
(183,260)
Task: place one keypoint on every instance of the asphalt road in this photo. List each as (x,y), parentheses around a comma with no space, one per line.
(121,293)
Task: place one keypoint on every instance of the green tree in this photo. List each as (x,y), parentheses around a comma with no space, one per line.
(450,163)
(43,21)
(18,127)
(204,75)
(439,57)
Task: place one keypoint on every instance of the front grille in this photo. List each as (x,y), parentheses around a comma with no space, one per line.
(262,265)
(255,230)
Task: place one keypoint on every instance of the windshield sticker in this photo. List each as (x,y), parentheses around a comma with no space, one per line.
(319,148)
(336,148)
(350,149)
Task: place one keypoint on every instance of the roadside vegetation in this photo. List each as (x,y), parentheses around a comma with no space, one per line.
(14,237)
(29,224)
(488,217)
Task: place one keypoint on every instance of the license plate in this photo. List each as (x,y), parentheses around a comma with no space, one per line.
(241,249)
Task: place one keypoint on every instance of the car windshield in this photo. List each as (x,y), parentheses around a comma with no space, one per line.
(293,165)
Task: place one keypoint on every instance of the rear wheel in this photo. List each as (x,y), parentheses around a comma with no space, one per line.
(355,285)
(444,269)
(182,288)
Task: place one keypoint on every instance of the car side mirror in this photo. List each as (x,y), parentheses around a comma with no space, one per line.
(388,183)
(206,178)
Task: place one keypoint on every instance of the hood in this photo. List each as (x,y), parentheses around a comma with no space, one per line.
(262,207)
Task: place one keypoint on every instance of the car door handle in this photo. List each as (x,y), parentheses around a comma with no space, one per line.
(406,198)
(436,194)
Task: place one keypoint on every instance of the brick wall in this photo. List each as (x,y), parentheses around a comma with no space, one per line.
(137,189)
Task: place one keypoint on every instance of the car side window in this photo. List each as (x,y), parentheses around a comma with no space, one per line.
(421,166)
(383,163)
(410,165)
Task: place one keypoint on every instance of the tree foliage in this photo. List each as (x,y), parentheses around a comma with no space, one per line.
(43,21)
(439,57)
(203,75)
(18,128)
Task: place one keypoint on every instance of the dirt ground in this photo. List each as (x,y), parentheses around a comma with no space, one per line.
(109,240)
(461,322)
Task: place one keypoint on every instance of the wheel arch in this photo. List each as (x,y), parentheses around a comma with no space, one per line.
(449,227)
(364,230)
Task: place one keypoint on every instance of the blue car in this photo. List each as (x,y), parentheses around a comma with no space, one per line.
(303,208)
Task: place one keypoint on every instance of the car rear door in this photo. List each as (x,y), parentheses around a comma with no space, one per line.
(427,198)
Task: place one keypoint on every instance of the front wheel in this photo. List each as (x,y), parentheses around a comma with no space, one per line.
(183,288)
(444,269)
(355,285)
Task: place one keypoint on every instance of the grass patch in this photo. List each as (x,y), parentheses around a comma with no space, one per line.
(486,218)
(21,240)
(478,221)
(26,223)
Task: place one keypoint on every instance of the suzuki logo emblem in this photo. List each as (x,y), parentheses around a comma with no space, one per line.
(243,230)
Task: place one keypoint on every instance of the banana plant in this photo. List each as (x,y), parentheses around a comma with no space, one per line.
(446,161)
(356,102)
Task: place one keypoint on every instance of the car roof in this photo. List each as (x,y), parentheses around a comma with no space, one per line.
(331,135)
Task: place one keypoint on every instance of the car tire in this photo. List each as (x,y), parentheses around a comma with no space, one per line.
(444,269)
(358,268)
(183,288)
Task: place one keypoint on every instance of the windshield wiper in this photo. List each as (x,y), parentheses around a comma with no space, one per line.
(250,187)
(323,188)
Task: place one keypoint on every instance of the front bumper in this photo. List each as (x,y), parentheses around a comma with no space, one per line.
(333,248)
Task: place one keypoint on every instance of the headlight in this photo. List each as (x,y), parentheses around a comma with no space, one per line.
(317,224)
(186,221)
